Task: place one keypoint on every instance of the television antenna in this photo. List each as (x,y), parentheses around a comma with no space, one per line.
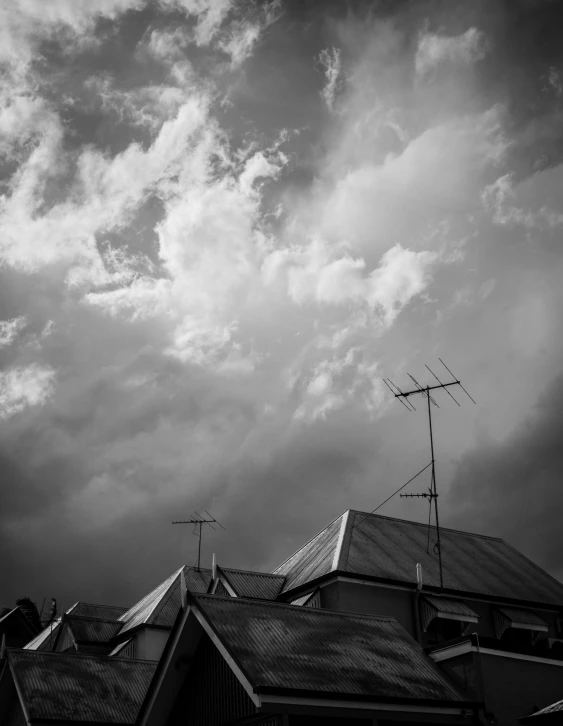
(199,521)
(404,398)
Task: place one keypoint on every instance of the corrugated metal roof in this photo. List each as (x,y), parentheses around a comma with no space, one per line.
(524,617)
(93,629)
(313,560)
(161,605)
(325,651)
(89,610)
(390,548)
(46,638)
(453,607)
(78,688)
(258,585)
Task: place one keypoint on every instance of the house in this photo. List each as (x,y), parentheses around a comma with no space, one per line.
(347,630)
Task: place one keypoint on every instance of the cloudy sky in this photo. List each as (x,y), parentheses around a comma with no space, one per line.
(222,222)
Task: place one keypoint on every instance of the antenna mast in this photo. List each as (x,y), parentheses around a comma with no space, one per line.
(424,391)
(199,521)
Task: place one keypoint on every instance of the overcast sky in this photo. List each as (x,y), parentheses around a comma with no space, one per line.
(221,224)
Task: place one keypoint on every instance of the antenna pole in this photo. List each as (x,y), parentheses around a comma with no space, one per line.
(424,391)
(199,548)
(435,494)
(199,521)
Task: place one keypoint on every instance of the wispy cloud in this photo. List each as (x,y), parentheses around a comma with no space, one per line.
(435,49)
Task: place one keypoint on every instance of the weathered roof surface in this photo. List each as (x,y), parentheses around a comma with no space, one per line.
(46,638)
(93,629)
(89,610)
(283,646)
(161,605)
(78,688)
(389,548)
(258,585)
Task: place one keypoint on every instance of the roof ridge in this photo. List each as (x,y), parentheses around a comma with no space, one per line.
(284,605)
(425,525)
(251,572)
(309,542)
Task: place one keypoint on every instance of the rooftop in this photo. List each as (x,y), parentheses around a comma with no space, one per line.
(80,688)
(389,549)
(279,646)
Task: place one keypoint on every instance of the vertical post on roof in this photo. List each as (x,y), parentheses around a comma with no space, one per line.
(435,493)
(3,647)
(214,568)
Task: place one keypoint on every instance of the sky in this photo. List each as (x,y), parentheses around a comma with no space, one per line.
(222,224)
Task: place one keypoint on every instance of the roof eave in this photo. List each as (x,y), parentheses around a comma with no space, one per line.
(429,589)
(339,696)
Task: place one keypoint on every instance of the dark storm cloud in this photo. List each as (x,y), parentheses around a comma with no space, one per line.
(513,489)
(238,369)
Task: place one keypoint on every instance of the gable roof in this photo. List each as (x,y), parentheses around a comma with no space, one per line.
(325,652)
(257,585)
(80,688)
(160,607)
(387,548)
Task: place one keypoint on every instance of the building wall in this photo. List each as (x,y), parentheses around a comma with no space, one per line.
(150,642)
(211,694)
(400,604)
(515,688)
(370,599)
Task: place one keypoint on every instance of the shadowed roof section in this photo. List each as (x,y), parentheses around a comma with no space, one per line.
(388,548)
(160,607)
(80,688)
(257,585)
(282,646)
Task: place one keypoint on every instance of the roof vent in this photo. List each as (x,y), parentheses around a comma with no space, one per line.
(418,576)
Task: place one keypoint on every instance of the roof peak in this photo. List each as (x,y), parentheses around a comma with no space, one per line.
(250,572)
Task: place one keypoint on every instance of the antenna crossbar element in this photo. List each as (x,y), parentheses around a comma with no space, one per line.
(199,521)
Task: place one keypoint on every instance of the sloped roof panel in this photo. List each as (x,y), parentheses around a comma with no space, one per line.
(287,647)
(80,688)
(314,559)
(389,548)
(257,585)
